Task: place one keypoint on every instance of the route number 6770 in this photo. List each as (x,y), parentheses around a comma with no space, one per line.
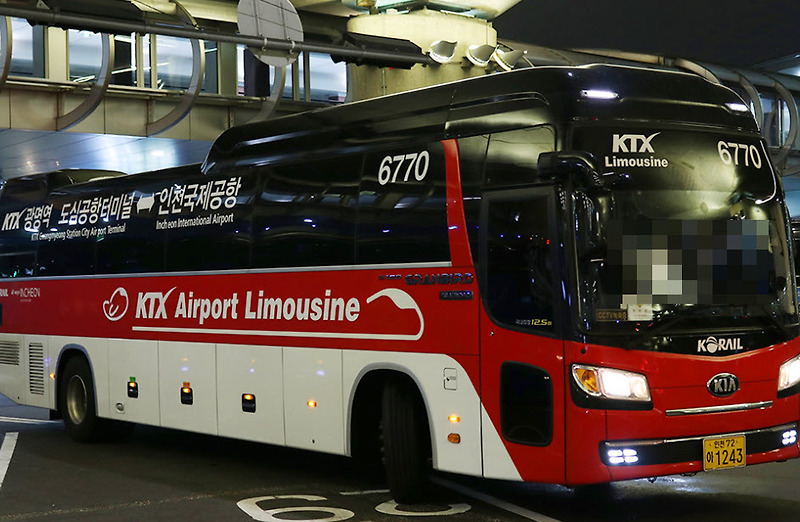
(729,154)
(403,165)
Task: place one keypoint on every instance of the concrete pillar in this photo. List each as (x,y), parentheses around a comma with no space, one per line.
(56,54)
(228,69)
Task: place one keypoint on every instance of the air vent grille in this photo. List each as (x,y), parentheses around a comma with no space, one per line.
(9,353)
(36,368)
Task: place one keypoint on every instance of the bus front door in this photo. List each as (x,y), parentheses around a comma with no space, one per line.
(522,354)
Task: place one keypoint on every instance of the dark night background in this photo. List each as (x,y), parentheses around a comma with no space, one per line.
(732,32)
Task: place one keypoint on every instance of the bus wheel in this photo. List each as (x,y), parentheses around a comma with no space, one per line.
(77,401)
(406,442)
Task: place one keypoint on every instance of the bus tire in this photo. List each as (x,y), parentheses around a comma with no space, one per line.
(77,405)
(406,442)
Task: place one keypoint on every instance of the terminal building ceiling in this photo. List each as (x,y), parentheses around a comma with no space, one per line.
(137,123)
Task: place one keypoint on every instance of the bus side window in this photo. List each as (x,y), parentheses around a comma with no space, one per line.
(17,251)
(67,251)
(213,218)
(402,207)
(72,257)
(513,155)
(305,214)
(521,269)
(17,264)
(138,248)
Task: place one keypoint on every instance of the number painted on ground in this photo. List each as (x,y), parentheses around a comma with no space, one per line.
(392,508)
(399,168)
(256,512)
(251,507)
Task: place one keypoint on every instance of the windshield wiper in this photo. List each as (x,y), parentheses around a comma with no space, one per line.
(675,318)
(658,326)
(662,324)
(771,319)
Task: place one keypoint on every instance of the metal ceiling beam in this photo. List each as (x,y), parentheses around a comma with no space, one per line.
(188,98)
(98,91)
(5,50)
(47,17)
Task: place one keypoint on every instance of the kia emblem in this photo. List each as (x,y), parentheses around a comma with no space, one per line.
(723,384)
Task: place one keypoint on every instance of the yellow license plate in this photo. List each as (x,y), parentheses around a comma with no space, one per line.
(724,452)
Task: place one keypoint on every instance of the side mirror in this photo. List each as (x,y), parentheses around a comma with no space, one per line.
(578,163)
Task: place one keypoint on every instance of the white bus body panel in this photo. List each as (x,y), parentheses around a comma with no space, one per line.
(497,462)
(139,360)
(283,379)
(314,375)
(194,364)
(257,370)
(12,366)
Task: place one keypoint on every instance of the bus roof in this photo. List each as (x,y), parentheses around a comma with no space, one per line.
(532,96)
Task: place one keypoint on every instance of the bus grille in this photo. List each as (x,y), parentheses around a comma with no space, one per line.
(36,368)
(9,353)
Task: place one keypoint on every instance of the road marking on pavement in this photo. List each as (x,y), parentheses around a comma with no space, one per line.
(6,452)
(20,420)
(502,504)
(367,492)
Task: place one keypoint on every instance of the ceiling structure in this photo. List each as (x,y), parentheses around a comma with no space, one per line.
(30,149)
(31,144)
(735,32)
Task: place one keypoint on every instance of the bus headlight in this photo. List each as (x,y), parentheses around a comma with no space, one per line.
(789,375)
(611,383)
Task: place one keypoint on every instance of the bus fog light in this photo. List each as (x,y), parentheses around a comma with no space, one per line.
(623,456)
(631,456)
(789,437)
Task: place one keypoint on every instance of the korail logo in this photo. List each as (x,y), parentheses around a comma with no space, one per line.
(117,305)
(714,345)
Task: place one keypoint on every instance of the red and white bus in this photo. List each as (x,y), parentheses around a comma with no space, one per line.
(564,275)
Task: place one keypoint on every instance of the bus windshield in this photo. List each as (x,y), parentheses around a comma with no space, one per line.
(686,236)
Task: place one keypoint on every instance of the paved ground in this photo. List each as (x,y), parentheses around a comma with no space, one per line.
(159,474)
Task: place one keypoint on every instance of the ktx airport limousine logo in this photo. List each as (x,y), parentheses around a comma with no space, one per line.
(633,143)
(117,305)
(255,308)
(636,150)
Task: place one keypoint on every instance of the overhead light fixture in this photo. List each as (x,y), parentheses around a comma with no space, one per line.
(480,54)
(507,59)
(442,51)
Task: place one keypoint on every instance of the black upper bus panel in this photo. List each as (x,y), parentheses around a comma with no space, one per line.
(36,187)
(480,105)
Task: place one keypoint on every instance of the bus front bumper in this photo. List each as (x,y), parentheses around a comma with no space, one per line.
(628,459)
